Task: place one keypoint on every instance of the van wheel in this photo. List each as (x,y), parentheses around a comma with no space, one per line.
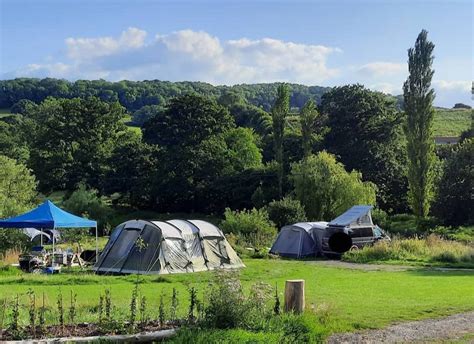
(354,248)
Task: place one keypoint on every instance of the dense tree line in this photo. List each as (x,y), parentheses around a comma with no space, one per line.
(133,95)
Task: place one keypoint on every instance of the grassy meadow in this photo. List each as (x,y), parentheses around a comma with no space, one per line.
(451,122)
(352,299)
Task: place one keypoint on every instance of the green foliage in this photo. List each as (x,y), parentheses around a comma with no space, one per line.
(430,250)
(129,172)
(454,200)
(286,211)
(418,97)
(279,112)
(12,141)
(23,106)
(59,304)
(326,189)
(228,306)
(365,133)
(193,152)
(17,195)
(17,188)
(133,95)
(71,140)
(174,304)
(253,225)
(242,149)
(86,202)
(145,113)
(310,120)
(251,116)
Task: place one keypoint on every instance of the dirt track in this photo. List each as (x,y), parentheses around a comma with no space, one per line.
(457,328)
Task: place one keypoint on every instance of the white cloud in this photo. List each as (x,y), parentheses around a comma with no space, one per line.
(89,48)
(189,55)
(387,87)
(453,85)
(382,69)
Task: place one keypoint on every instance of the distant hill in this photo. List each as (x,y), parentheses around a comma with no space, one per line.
(135,94)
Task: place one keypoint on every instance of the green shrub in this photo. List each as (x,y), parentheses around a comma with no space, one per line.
(225,307)
(86,202)
(286,211)
(253,226)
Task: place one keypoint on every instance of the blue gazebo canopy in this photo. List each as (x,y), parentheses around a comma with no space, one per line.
(47,216)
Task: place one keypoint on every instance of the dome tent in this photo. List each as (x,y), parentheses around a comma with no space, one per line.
(174,246)
(299,240)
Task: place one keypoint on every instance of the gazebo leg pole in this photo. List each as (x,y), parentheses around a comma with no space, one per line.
(96,245)
(41,237)
(52,258)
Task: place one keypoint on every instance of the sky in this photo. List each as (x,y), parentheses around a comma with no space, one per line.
(325,43)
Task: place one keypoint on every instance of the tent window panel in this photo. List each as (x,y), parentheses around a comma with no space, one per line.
(120,249)
(175,255)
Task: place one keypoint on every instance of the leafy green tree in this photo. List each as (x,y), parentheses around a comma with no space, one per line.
(22,106)
(17,188)
(87,202)
(130,172)
(454,200)
(250,116)
(12,142)
(366,134)
(418,97)
(326,189)
(71,140)
(243,150)
(190,135)
(286,211)
(309,120)
(145,113)
(279,113)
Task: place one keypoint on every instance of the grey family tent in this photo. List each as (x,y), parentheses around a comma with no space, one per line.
(162,247)
(300,240)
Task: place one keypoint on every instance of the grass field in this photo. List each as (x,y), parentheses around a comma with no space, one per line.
(451,122)
(356,299)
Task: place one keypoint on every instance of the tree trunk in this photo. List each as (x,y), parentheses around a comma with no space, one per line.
(294,296)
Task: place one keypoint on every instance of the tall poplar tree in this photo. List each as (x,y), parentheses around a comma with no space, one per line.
(418,96)
(280,111)
(308,117)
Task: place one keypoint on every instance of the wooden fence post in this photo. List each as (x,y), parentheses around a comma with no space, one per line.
(294,296)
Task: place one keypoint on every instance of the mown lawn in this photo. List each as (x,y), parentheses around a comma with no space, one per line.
(356,299)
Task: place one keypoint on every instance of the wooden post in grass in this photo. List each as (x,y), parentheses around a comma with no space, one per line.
(294,296)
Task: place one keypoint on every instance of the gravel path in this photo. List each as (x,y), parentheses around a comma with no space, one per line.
(458,327)
(379,267)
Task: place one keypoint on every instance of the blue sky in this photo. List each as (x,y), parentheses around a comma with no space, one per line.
(227,42)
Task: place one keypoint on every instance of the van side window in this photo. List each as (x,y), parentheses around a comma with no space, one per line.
(362,232)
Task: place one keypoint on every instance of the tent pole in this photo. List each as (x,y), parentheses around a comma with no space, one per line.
(41,237)
(96,245)
(52,259)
